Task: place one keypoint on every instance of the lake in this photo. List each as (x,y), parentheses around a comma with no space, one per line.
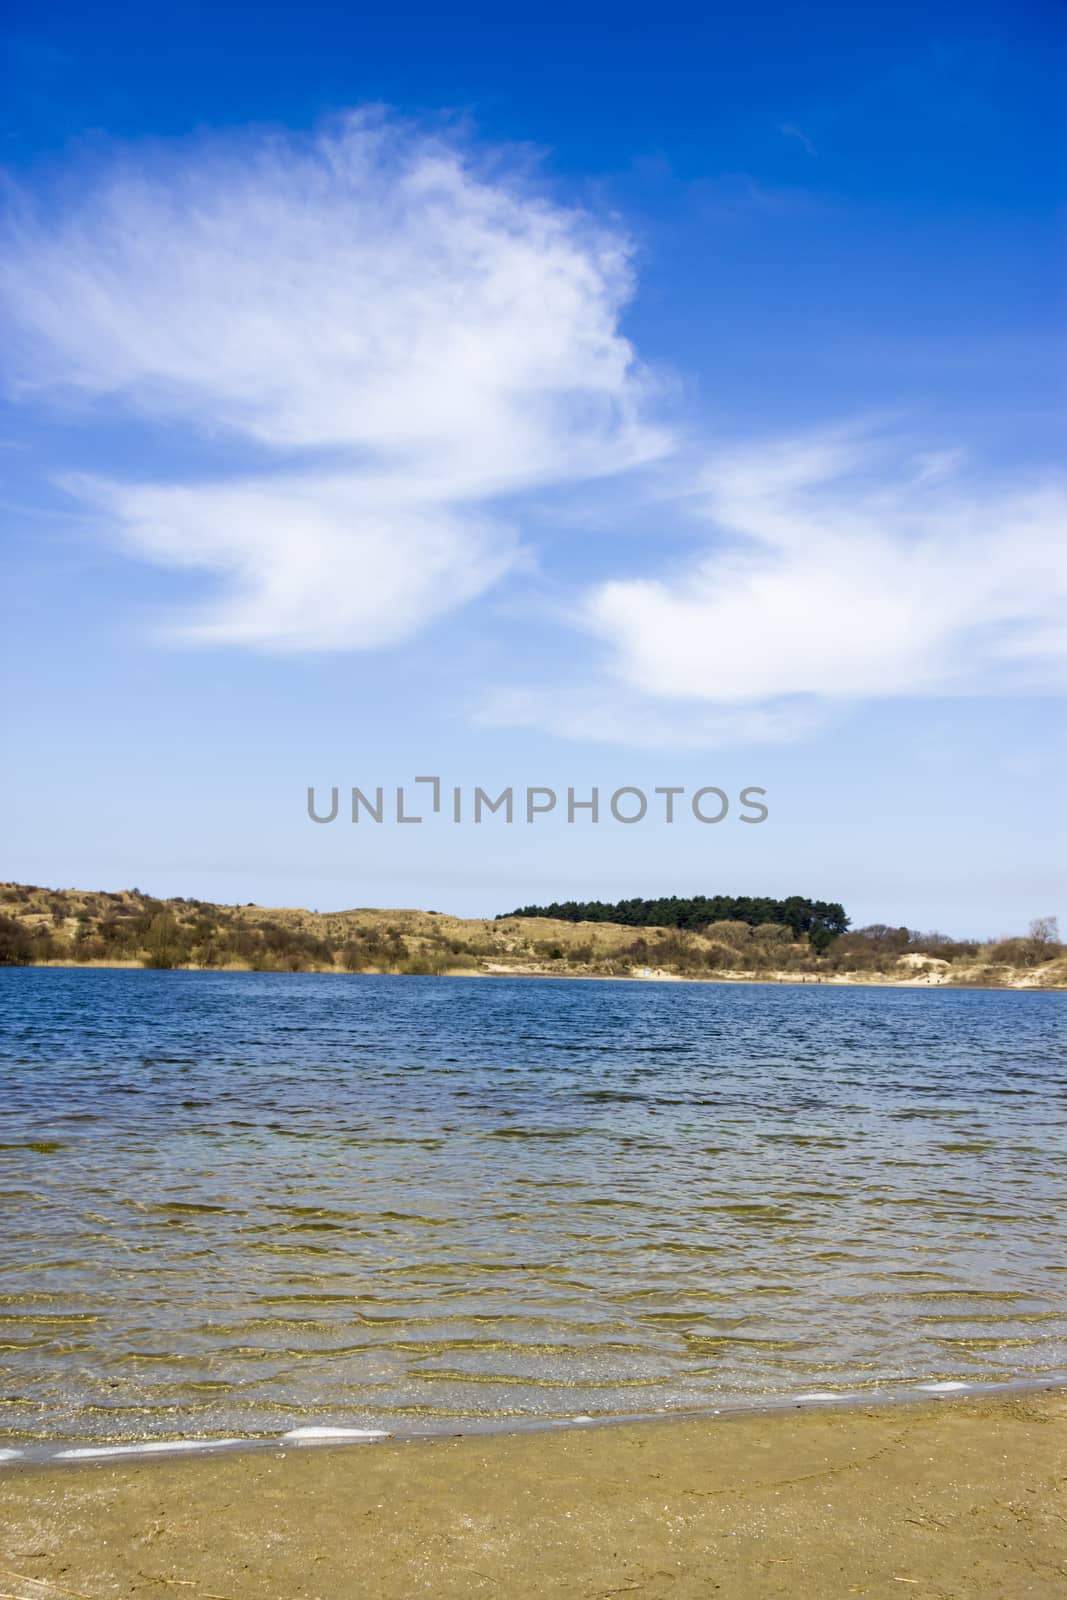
(238,1203)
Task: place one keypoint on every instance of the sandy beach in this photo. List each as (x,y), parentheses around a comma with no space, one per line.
(954,1498)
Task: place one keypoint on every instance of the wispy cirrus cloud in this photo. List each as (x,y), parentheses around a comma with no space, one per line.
(792,131)
(838,571)
(603,711)
(317,562)
(415,313)
(407,333)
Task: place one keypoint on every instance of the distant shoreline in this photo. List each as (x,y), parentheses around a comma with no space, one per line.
(123,928)
(846,980)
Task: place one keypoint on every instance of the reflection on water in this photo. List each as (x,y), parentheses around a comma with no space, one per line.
(229,1201)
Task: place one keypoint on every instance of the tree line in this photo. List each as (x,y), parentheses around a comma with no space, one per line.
(820,920)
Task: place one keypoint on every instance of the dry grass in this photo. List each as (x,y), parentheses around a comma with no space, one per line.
(128,928)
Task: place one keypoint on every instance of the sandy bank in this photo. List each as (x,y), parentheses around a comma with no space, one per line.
(961,1499)
(494,969)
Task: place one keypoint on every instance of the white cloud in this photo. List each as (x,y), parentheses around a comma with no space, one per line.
(838,572)
(403,333)
(316,563)
(791,131)
(839,575)
(448,335)
(601,712)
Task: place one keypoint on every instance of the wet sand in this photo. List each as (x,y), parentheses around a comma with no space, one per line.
(952,1499)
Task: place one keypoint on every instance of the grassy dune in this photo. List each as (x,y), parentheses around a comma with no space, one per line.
(127,928)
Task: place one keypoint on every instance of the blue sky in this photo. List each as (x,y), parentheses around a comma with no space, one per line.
(585,400)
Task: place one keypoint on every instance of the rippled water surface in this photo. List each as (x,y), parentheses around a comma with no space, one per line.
(235,1203)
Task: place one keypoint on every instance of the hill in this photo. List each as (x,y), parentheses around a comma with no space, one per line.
(124,927)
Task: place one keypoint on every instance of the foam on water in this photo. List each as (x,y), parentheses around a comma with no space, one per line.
(150,1447)
(311,1435)
(40,1455)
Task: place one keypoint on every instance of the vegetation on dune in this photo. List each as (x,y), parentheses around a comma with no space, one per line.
(791,939)
(821,920)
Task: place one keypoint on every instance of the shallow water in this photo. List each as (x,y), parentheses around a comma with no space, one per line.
(234,1204)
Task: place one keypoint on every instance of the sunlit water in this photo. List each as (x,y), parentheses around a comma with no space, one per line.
(238,1203)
